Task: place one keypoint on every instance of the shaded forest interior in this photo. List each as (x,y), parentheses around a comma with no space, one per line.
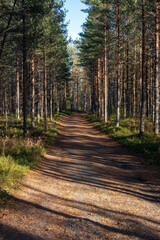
(112,71)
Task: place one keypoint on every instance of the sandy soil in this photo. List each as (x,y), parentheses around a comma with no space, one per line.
(88,187)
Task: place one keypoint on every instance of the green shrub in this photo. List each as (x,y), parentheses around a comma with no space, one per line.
(19,155)
(127,134)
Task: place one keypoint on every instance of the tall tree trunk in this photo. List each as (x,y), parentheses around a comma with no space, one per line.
(124,80)
(39,94)
(42,96)
(24,72)
(51,96)
(33,92)
(85,95)
(45,92)
(147,84)
(143,69)
(157,71)
(105,71)
(77,93)
(127,80)
(134,80)
(140,77)
(54,89)
(93,90)
(109,73)
(73,96)
(58,97)
(152,88)
(6,106)
(98,86)
(17,90)
(118,63)
(65,94)
(102,88)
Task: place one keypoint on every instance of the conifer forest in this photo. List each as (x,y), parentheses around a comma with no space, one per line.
(80,119)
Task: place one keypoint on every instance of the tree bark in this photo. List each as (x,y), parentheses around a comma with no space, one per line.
(77,93)
(157,98)
(142,120)
(54,89)
(124,80)
(45,92)
(118,63)
(17,90)
(134,80)
(98,86)
(39,94)
(109,73)
(140,78)
(24,72)
(33,92)
(105,71)
(6,106)
(51,96)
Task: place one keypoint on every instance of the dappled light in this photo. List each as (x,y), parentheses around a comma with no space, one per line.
(87,187)
(79,120)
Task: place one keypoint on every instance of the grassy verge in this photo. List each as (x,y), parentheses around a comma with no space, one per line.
(19,155)
(127,134)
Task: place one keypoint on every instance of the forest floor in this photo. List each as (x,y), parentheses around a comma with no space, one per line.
(87,187)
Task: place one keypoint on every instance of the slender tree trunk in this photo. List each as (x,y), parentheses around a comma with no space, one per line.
(39,94)
(140,79)
(124,80)
(51,96)
(77,93)
(109,73)
(33,92)
(127,80)
(54,90)
(42,97)
(134,80)
(58,98)
(17,90)
(45,92)
(152,89)
(73,95)
(147,85)
(93,90)
(85,96)
(94,71)
(143,69)
(105,71)
(65,94)
(118,64)
(6,106)
(102,88)
(24,72)
(98,86)
(157,98)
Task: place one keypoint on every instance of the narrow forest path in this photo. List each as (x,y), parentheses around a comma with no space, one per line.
(88,187)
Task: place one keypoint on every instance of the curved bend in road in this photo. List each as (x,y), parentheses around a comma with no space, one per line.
(88,187)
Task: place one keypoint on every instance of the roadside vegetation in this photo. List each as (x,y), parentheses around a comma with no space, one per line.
(147,146)
(19,155)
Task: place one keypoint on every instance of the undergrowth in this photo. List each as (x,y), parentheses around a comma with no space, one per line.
(147,146)
(19,155)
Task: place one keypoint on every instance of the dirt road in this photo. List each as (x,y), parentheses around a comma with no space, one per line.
(88,187)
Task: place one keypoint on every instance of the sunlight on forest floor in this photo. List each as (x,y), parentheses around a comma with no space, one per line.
(147,146)
(18,155)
